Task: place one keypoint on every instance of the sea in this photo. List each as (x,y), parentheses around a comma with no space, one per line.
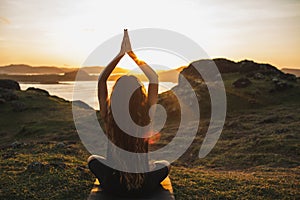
(85,91)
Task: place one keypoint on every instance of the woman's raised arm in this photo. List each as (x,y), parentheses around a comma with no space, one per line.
(151,75)
(102,85)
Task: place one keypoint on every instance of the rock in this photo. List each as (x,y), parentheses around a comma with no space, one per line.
(258,76)
(281,85)
(60,145)
(35,167)
(275,80)
(289,77)
(18,106)
(9,84)
(16,144)
(242,83)
(38,91)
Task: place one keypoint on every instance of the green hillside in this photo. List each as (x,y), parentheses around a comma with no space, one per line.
(256,157)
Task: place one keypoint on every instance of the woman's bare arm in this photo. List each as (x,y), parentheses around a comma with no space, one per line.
(102,85)
(151,75)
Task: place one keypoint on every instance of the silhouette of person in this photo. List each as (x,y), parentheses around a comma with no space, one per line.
(112,180)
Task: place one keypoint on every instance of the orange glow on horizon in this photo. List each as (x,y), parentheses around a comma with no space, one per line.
(44,33)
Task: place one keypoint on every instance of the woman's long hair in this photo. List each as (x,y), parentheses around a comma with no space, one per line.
(138,109)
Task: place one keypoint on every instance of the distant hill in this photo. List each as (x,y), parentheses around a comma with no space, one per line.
(296,72)
(23,69)
(25,73)
(80,74)
(27,69)
(51,74)
(50,78)
(92,69)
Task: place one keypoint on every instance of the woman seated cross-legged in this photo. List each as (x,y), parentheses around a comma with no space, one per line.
(114,181)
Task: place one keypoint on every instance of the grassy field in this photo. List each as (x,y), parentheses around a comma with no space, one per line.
(256,157)
(64,175)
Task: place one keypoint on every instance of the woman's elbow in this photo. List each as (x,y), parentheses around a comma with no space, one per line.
(154,79)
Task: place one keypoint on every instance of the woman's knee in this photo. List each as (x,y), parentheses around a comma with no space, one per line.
(97,166)
(163,164)
(95,157)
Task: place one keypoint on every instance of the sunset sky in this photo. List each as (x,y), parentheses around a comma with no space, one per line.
(65,32)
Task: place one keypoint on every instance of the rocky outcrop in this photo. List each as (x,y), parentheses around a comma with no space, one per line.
(280,84)
(7,90)
(245,68)
(9,84)
(264,78)
(38,91)
(242,83)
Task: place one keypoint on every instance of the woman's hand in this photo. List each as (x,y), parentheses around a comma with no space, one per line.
(126,46)
(102,85)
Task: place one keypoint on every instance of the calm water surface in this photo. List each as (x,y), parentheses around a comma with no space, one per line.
(85,90)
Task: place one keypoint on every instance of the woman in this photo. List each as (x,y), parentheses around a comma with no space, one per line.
(112,180)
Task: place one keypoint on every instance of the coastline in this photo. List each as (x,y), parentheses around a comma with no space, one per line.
(85,90)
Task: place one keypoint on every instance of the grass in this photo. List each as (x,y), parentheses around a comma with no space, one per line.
(199,183)
(72,179)
(63,176)
(256,157)
(49,116)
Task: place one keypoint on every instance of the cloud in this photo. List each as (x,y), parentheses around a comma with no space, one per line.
(4,20)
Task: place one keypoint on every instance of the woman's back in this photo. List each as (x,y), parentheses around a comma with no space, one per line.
(127,123)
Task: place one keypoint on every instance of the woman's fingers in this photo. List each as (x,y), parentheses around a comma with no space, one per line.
(127,41)
(125,46)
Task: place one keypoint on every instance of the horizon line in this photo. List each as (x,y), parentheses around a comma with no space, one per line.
(77,67)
